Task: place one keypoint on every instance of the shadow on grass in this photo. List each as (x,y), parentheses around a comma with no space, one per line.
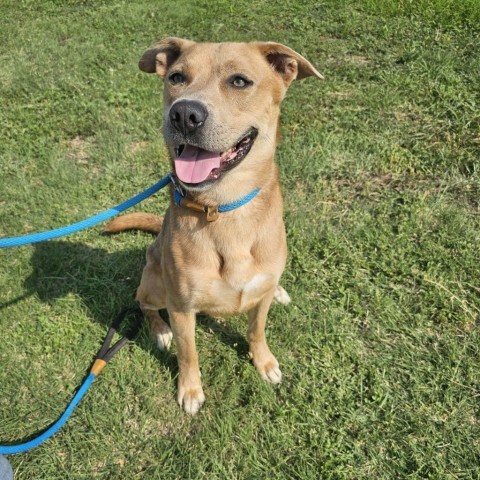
(106,283)
(225,333)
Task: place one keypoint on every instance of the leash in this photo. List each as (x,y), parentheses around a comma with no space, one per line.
(106,352)
(88,222)
(212,213)
(102,358)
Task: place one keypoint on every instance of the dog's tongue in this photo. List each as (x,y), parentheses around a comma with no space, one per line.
(194,165)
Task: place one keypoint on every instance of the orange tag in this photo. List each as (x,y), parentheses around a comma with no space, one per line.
(212,214)
(98,366)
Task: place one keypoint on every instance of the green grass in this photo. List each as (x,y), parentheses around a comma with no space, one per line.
(380,165)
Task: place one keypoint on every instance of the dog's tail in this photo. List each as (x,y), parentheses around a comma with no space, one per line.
(135,221)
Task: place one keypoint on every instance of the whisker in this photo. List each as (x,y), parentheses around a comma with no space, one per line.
(269,139)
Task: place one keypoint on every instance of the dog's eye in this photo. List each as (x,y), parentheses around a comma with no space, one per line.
(238,81)
(176,78)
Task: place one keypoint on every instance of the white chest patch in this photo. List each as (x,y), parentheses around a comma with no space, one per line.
(227,298)
(257,283)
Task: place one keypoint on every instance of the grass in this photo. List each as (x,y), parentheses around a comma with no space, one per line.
(380,167)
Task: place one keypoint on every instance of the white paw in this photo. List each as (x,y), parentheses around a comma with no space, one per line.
(281,296)
(191,400)
(274,375)
(269,370)
(164,339)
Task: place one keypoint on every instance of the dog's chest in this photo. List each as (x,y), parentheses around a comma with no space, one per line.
(238,283)
(236,267)
(225,268)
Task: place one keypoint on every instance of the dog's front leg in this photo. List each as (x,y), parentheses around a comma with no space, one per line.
(190,394)
(263,359)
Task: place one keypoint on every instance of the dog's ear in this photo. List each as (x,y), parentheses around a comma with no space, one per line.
(288,63)
(159,57)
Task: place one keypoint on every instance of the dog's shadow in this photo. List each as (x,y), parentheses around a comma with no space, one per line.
(106,283)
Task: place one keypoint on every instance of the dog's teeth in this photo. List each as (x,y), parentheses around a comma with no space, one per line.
(227,153)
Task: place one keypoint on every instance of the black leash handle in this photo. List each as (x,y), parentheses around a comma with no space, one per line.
(106,352)
(103,356)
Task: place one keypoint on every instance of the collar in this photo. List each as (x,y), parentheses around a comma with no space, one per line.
(212,212)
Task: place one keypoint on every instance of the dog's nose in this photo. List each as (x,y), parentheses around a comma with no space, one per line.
(187,115)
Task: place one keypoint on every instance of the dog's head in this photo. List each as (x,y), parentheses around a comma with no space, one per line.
(221,104)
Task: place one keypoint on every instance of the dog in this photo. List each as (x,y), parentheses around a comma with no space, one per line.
(221,126)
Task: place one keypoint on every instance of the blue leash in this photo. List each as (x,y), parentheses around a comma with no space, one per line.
(23,447)
(88,222)
(101,217)
(105,354)
(103,357)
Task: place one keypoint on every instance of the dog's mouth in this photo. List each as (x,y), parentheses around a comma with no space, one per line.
(195,166)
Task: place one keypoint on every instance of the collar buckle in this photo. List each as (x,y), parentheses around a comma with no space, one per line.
(211,213)
(191,205)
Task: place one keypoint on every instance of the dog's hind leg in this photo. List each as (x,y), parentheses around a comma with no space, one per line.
(281,296)
(159,329)
(151,297)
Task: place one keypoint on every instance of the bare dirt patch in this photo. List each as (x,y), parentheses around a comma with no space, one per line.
(78,149)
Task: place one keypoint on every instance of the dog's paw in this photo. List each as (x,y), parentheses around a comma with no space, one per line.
(164,339)
(160,330)
(281,296)
(269,370)
(191,400)
(272,373)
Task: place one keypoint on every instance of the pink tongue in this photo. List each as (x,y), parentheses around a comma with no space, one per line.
(194,165)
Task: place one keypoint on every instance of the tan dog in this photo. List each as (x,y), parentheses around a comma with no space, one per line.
(222,105)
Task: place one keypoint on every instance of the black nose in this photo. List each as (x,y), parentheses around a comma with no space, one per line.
(187,115)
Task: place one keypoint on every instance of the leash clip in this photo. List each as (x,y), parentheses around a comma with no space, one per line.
(177,186)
